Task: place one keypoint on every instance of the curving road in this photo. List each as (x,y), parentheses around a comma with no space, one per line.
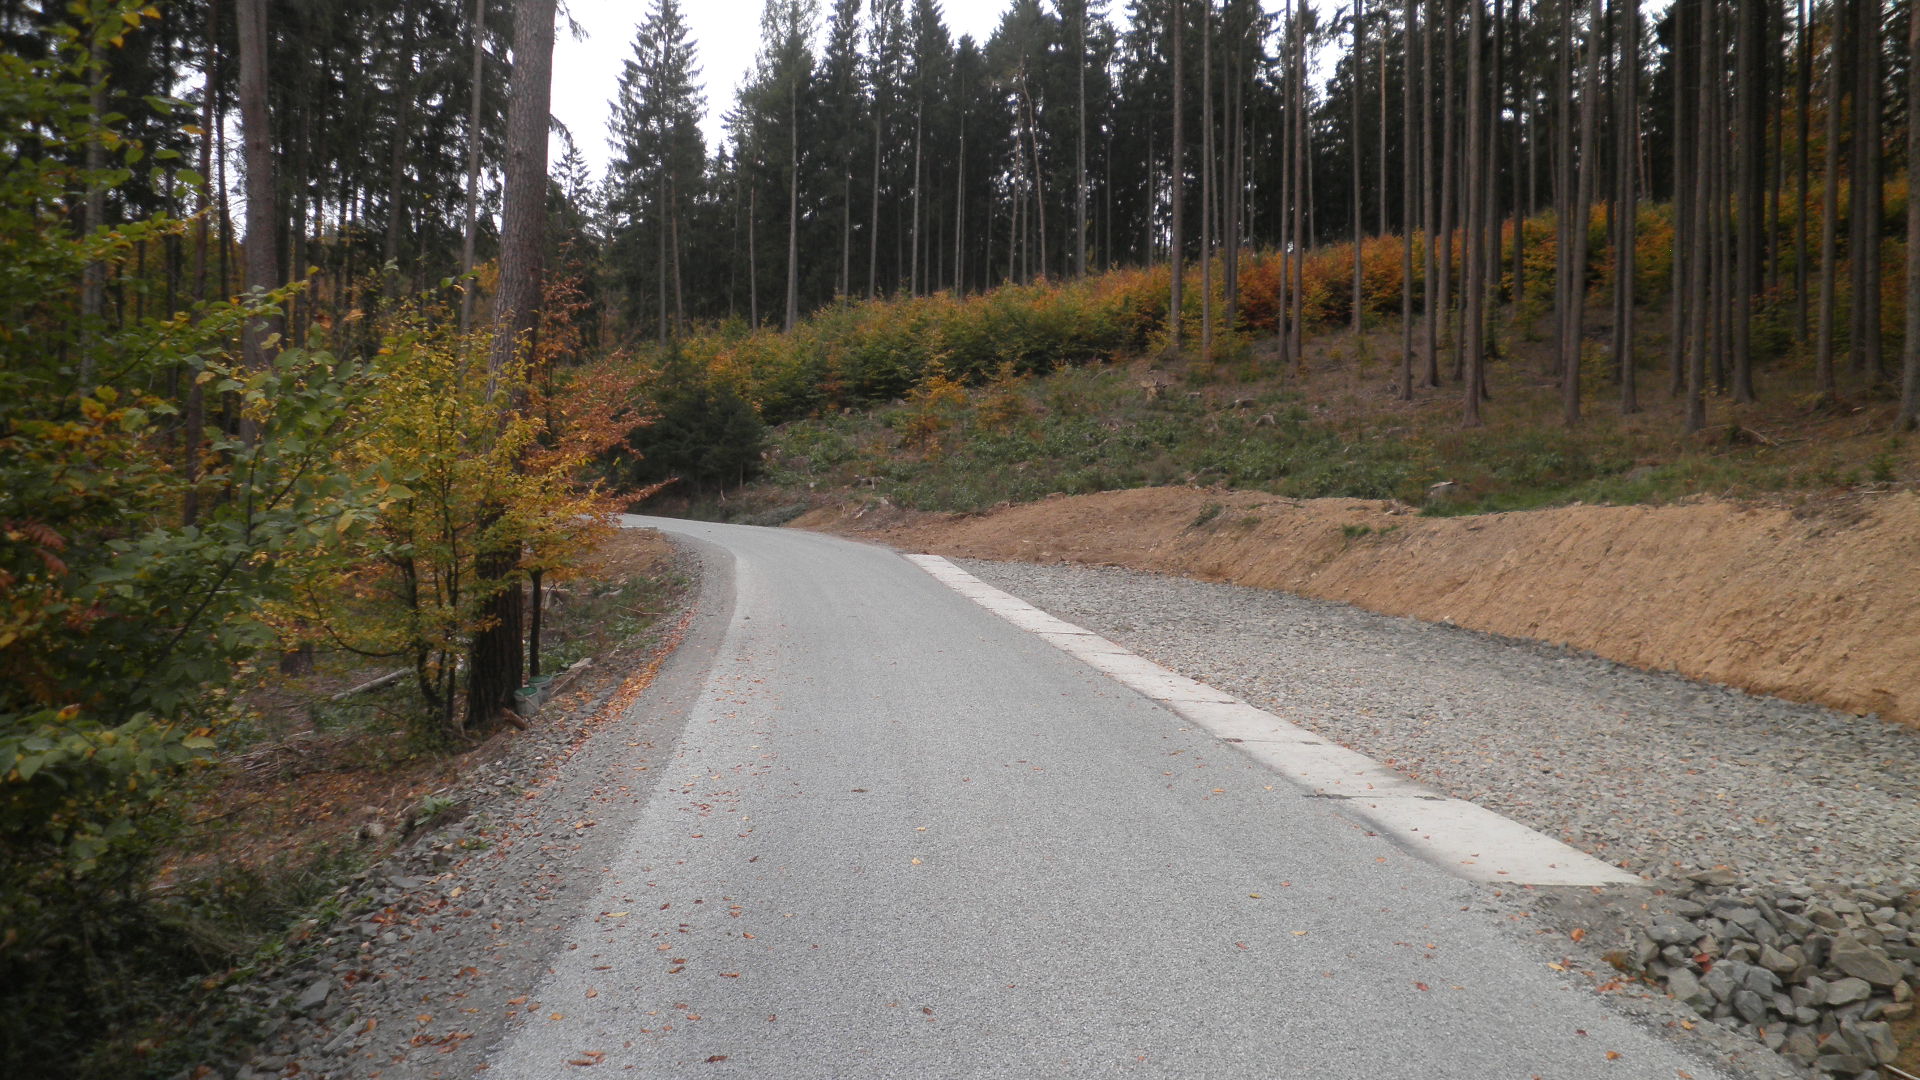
(901,837)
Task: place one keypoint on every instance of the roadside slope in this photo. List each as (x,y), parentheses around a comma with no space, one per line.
(1811,604)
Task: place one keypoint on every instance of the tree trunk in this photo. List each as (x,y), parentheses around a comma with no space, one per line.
(1563,189)
(1447,173)
(793,207)
(913,268)
(1910,362)
(1283,311)
(1080,149)
(1406,205)
(673,257)
(495,656)
(1177,180)
(1752,132)
(1353,59)
(1830,212)
(1380,74)
(1804,120)
(1683,159)
(1629,201)
(1429,211)
(1864,238)
(1582,210)
(469,236)
(1206,179)
(660,254)
(403,85)
(1302,191)
(1472,282)
(263,266)
(873,219)
(1696,410)
(753,258)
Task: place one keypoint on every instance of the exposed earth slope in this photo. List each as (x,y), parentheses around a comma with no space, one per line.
(1813,603)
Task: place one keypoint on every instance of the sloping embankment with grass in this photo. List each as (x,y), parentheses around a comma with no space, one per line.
(1815,602)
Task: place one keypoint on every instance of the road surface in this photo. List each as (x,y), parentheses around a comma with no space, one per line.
(902,837)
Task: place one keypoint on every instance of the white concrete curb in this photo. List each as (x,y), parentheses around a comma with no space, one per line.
(1458,836)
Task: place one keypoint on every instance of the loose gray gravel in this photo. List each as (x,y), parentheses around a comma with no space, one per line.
(1650,771)
(1770,833)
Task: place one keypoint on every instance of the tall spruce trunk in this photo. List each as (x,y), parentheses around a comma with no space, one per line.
(873,218)
(1563,189)
(913,270)
(1472,282)
(1080,148)
(1582,209)
(1354,59)
(1752,132)
(793,207)
(1804,121)
(1302,190)
(1283,295)
(1447,173)
(263,266)
(1177,180)
(1867,108)
(1683,261)
(1823,375)
(495,658)
(1429,210)
(1629,202)
(1406,205)
(469,235)
(1703,151)
(1909,417)
(1206,179)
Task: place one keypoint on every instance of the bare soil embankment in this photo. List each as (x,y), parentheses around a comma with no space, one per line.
(1818,603)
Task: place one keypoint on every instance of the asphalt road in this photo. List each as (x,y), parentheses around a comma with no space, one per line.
(900,837)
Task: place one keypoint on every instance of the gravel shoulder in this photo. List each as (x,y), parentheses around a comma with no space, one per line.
(1652,772)
(1777,839)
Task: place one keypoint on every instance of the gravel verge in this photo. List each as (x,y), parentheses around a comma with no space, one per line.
(1771,833)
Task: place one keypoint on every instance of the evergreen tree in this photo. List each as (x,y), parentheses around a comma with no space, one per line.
(659,161)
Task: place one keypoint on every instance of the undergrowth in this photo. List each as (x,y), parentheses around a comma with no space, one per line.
(1338,431)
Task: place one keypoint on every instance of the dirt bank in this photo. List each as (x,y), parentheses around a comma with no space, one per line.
(1818,603)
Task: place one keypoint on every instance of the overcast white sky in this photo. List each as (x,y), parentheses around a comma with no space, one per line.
(726,34)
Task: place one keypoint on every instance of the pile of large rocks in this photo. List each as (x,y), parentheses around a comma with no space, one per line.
(1820,975)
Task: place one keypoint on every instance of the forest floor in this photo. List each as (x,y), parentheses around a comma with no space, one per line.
(315,790)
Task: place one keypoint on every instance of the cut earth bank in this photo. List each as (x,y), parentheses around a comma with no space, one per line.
(1818,602)
(1790,933)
